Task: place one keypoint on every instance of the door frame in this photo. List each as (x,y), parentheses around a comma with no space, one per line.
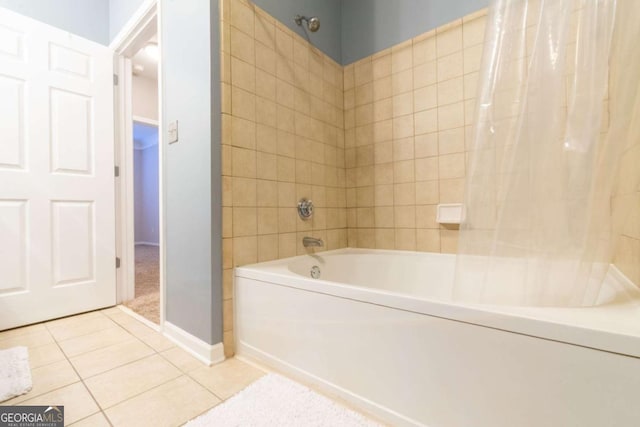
(144,22)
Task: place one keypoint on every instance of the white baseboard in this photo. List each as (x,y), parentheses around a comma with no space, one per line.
(139,318)
(207,353)
(147,243)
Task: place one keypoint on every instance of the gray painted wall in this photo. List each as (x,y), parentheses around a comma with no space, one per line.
(119,13)
(327,38)
(85,18)
(369,26)
(193,287)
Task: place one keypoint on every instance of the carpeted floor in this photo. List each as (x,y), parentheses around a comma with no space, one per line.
(147,300)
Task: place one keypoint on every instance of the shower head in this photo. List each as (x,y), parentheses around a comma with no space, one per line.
(313,23)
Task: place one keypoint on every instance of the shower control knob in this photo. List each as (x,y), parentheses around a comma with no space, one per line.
(305,209)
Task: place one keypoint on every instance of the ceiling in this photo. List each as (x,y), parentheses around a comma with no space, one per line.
(149,64)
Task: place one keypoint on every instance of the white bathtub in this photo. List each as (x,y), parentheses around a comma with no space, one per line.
(378,329)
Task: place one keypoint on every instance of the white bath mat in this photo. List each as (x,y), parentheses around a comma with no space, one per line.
(15,373)
(276,401)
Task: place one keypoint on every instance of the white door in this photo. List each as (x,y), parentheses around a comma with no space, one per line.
(57,224)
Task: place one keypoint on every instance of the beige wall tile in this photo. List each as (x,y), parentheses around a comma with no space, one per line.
(242,46)
(381,67)
(427,192)
(244,221)
(427,121)
(405,239)
(425,98)
(243,133)
(403,126)
(451,116)
(424,50)
(404,171)
(243,75)
(404,217)
(451,190)
(243,162)
(427,169)
(385,238)
(244,192)
(402,81)
(384,195)
(242,17)
(267,247)
(267,193)
(450,66)
(267,220)
(426,216)
(266,138)
(245,250)
(449,41)
(473,31)
(428,240)
(425,74)
(426,145)
(451,166)
(366,238)
(449,241)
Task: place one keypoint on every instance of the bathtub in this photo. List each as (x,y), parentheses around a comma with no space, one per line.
(378,329)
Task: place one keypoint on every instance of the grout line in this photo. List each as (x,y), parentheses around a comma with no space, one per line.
(80,378)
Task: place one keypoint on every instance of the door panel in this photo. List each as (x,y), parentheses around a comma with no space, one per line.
(57,216)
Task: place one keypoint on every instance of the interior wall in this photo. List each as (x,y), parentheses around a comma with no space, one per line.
(146,194)
(193,274)
(408,114)
(328,38)
(626,211)
(283,139)
(120,11)
(369,26)
(145,97)
(626,196)
(86,18)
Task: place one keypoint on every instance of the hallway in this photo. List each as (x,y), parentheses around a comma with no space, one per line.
(147,294)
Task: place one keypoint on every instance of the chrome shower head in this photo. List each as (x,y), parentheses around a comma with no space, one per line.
(313,23)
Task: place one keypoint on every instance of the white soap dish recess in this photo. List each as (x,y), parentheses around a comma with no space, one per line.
(449,213)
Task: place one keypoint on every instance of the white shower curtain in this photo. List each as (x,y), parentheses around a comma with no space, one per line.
(537,206)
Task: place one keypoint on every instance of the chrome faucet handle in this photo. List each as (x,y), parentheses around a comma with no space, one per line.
(305,208)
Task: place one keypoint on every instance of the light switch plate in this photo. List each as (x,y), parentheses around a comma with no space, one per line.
(172,131)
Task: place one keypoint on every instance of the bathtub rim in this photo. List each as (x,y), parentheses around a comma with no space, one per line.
(574,326)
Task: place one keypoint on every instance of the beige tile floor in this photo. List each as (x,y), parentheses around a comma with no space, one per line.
(109,369)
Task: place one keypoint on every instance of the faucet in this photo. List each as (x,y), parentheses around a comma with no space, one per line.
(312,241)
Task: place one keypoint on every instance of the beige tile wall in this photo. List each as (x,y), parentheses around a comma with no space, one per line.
(626,212)
(407,110)
(376,144)
(283,139)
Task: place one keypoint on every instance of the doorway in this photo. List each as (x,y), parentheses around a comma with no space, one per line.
(140,168)
(144,103)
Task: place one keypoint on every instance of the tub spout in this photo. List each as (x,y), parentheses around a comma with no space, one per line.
(312,241)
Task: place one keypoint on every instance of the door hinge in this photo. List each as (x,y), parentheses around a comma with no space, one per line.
(115,80)
(116,171)
(117,262)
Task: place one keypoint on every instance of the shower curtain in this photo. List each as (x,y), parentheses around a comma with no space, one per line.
(536,228)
